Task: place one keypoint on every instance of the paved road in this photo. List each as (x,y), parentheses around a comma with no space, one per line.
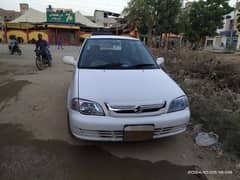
(35,144)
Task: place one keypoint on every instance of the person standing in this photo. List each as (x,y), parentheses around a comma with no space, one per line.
(60,43)
(13,45)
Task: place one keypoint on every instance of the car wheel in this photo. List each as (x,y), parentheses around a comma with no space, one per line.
(39,63)
(19,52)
(69,127)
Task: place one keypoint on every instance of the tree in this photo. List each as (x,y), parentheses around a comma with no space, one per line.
(158,16)
(205,17)
(238,22)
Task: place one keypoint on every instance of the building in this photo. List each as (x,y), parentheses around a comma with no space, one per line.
(228,36)
(6,16)
(237,23)
(58,24)
(54,24)
(105,18)
(9,15)
(23,7)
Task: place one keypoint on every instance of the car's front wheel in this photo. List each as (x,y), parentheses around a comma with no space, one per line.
(69,126)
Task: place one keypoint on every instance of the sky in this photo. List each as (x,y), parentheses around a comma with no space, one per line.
(86,7)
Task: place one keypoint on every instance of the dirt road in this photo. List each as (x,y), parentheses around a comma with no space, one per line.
(35,144)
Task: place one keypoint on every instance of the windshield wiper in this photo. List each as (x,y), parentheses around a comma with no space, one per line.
(143,65)
(119,65)
(104,66)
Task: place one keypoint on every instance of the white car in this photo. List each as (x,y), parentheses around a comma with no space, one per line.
(120,93)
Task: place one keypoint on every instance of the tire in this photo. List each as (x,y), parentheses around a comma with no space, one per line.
(69,127)
(39,63)
(49,64)
(19,52)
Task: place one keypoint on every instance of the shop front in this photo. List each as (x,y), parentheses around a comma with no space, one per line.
(61,27)
(66,34)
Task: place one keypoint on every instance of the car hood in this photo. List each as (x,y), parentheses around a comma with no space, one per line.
(129,87)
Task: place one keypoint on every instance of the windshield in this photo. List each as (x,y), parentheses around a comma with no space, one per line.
(115,54)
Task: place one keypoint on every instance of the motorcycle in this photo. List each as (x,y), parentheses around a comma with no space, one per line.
(15,49)
(41,60)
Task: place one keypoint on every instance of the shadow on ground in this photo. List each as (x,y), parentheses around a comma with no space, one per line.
(22,157)
(10,89)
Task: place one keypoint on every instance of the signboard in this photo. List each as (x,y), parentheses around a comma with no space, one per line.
(19,25)
(63,26)
(60,17)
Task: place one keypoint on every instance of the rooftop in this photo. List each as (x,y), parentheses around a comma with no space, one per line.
(111,37)
(35,16)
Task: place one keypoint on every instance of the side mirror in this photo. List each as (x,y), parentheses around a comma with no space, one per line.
(160,62)
(69,60)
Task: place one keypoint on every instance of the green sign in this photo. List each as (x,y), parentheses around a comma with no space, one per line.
(60,17)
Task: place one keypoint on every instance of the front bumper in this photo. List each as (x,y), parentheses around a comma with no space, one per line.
(106,128)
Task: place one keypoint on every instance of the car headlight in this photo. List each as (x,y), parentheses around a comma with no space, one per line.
(178,104)
(87,107)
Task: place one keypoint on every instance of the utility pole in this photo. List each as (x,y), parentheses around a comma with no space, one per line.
(238,24)
(234,25)
(2,30)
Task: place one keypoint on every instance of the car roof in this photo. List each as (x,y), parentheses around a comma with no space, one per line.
(111,37)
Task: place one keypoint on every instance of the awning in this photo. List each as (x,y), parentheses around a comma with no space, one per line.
(19,25)
(63,26)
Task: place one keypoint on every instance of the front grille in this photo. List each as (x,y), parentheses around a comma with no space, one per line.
(118,135)
(136,109)
(99,133)
(167,130)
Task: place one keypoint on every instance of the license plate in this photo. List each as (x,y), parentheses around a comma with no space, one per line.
(138,133)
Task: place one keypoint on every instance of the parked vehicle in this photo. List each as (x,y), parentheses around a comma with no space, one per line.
(120,93)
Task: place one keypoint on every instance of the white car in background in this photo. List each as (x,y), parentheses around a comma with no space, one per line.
(120,93)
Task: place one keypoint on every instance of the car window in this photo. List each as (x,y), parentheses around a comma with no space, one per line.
(115,54)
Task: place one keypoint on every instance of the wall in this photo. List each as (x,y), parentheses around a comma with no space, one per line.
(209,42)
(226,22)
(34,35)
(17,33)
(23,7)
(218,42)
(23,35)
(99,16)
(9,15)
(238,43)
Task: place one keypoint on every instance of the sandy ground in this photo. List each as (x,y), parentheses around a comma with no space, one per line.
(35,144)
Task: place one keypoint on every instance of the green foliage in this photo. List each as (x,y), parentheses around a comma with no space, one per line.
(205,17)
(183,21)
(153,15)
(167,12)
(137,14)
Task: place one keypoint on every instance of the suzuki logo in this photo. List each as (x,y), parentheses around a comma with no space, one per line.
(138,109)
